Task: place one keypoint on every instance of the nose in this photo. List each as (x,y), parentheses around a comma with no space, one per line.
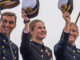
(43,29)
(71,32)
(6,24)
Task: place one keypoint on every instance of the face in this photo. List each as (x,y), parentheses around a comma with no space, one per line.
(39,31)
(10,24)
(73,34)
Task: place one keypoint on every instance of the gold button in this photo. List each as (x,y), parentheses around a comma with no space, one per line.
(62,39)
(15,57)
(3,51)
(78,51)
(41,50)
(46,50)
(2,46)
(42,56)
(4,40)
(74,57)
(3,57)
(51,59)
(73,51)
(15,52)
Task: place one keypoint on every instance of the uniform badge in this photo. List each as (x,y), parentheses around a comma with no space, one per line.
(29,9)
(49,53)
(4,1)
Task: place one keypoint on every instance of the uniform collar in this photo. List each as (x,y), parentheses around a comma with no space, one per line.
(40,45)
(73,47)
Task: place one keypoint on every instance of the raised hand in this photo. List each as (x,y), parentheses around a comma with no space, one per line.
(66,16)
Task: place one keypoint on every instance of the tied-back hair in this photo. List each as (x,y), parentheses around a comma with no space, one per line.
(32,24)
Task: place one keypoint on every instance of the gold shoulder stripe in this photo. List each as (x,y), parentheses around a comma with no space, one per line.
(5,2)
(31,13)
(69,7)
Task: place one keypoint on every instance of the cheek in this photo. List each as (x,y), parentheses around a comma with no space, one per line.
(12,26)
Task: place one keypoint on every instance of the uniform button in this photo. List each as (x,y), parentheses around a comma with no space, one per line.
(78,51)
(73,51)
(42,56)
(46,50)
(4,57)
(4,41)
(15,57)
(62,39)
(3,51)
(74,57)
(15,52)
(2,46)
(51,59)
(41,50)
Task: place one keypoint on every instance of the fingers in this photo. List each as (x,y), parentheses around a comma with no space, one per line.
(24,15)
(66,16)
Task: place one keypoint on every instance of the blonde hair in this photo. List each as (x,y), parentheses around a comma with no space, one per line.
(32,24)
(75,26)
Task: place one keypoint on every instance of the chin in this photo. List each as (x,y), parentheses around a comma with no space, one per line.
(71,40)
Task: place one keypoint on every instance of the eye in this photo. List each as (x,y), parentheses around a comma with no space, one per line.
(44,27)
(5,21)
(74,30)
(11,22)
(39,27)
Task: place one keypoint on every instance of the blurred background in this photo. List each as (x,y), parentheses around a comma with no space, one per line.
(53,19)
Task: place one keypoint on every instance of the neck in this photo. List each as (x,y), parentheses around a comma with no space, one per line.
(73,43)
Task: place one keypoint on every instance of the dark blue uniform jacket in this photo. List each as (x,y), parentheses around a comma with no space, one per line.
(31,50)
(63,50)
(5,52)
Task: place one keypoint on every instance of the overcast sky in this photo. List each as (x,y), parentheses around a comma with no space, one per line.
(52,17)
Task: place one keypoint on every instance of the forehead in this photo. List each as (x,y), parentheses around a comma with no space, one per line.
(11,18)
(39,24)
(73,27)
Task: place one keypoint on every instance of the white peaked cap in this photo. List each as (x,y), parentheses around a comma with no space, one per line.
(28,3)
(60,2)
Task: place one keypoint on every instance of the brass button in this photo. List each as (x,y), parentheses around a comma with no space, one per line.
(42,56)
(3,51)
(4,57)
(15,52)
(74,57)
(15,57)
(73,51)
(41,50)
(2,46)
(62,39)
(51,59)
(46,50)
(4,41)
(78,51)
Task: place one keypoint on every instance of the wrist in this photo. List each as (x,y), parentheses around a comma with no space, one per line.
(26,21)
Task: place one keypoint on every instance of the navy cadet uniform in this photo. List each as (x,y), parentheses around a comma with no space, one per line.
(5,52)
(63,50)
(31,50)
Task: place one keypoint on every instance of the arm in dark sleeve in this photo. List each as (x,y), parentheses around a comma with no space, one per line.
(25,45)
(61,45)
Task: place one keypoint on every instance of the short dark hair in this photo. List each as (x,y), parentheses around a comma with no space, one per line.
(9,14)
